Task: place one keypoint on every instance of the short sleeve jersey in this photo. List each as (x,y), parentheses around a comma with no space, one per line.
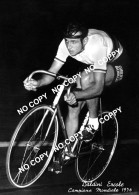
(98,47)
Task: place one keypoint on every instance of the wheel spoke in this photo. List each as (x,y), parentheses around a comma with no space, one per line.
(32,146)
(91,165)
(96,155)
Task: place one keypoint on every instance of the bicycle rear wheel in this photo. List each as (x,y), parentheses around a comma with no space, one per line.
(95,156)
(32,146)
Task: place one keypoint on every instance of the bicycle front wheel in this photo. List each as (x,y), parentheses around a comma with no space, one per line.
(95,156)
(32,146)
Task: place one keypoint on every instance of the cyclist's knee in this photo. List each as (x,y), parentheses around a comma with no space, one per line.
(86,79)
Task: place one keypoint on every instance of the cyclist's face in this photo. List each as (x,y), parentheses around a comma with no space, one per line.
(74,46)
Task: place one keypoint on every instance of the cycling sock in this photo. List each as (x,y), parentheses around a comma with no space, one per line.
(94,122)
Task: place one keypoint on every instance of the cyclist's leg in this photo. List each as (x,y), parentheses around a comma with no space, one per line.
(86,82)
(116,71)
(72,119)
(71,127)
(73,114)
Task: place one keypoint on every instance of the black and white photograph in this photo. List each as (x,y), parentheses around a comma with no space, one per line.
(69,97)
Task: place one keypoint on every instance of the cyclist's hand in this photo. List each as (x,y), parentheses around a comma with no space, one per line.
(30,84)
(70,99)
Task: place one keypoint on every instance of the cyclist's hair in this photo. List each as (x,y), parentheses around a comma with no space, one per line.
(73,28)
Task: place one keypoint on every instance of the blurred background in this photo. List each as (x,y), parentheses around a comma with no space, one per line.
(30,31)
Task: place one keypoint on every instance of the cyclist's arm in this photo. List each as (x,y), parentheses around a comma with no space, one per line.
(58,62)
(98,77)
(95,89)
(31,84)
(46,79)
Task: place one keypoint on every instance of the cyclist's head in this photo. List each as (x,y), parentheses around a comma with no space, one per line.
(76,30)
(75,38)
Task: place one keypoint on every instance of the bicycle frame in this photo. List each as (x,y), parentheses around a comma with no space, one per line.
(56,107)
(96,151)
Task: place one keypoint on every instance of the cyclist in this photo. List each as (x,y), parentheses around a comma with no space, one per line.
(103,55)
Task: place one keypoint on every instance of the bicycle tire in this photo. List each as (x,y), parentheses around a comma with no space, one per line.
(36,144)
(87,166)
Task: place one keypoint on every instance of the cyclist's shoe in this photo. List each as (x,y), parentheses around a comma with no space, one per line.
(88,133)
(55,167)
(67,154)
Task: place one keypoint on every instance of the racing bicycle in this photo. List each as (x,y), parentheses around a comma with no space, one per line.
(33,143)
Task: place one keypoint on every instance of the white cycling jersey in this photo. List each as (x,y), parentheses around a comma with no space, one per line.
(98,47)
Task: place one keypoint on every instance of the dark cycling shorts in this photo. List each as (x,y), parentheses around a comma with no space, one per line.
(120,66)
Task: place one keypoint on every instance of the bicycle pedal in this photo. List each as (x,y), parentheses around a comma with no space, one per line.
(58,172)
(86,141)
(70,155)
(66,158)
(55,167)
(54,171)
